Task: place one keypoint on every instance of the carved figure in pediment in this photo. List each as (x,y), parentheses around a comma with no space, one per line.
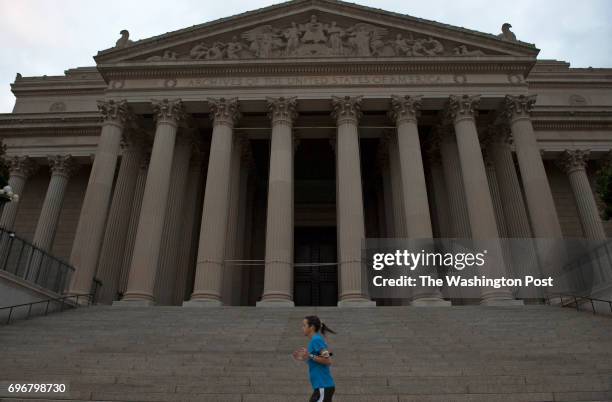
(427,47)
(167,55)
(199,51)
(365,39)
(462,50)
(264,40)
(215,52)
(314,31)
(402,46)
(292,35)
(336,35)
(233,48)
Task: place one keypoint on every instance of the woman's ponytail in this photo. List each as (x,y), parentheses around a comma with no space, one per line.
(314,321)
(325,328)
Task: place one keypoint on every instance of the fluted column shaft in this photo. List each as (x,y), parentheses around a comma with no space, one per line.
(230,269)
(133,222)
(90,229)
(170,246)
(515,214)
(462,110)
(278,286)
(62,167)
(454,181)
(20,169)
(215,212)
(145,258)
(397,193)
(574,163)
(349,202)
(115,236)
(541,206)
(189,228)
(415,205)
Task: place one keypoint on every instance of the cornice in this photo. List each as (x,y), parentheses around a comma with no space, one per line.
(357,65)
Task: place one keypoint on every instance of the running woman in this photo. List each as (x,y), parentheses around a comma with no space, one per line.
(318,358)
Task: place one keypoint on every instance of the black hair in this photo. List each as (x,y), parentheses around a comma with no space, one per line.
(314,321)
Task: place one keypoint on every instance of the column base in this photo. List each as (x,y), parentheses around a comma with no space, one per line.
(275,303)
(202,303)
(431,302)
(356,303)
(134,303)
(502,302)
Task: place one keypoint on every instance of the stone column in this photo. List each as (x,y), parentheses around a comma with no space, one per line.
(20,169)
(145,257)
(462,110)
(541,206)
(278,284)
(349,202)
(170,246)
(230,268)
(574,163)
(454,181)
(397,194)
(115,236)
(133,221)
(440,196)
(62,167)
(382,159)
(215,212)
(189,228)
(415,205)
(517,222)
(90,229)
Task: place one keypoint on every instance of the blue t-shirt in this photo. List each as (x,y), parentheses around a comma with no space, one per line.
(320,374)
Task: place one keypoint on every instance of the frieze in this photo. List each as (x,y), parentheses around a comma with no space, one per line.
(314,38)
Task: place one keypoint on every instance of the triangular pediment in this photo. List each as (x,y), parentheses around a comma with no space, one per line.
(314,29)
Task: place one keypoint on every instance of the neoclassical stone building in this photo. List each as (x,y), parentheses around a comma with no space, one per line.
(243,161)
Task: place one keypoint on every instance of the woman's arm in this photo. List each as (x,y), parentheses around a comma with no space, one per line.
(323,358)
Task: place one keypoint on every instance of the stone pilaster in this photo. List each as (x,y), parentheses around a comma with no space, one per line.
(278,279)
(115,236)
(441,207)
(145,258)
(349,202)
(170,246)
(215,212)
(461,111)
(90,229)
(540,203)
(574,164)
(20,169)
(415,205)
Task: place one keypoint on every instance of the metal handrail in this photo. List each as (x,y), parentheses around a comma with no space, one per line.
(29,262)
(62,300)
(575,298)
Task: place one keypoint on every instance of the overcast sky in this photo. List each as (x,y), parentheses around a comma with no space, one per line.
(39,37)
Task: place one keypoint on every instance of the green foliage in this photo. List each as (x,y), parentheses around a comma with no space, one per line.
(603,186)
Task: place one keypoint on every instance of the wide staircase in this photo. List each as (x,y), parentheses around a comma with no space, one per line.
(459,353)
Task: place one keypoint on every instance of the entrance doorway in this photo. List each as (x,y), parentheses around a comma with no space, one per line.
(315,285)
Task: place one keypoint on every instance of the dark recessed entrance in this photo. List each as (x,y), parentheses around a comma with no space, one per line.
(315,285)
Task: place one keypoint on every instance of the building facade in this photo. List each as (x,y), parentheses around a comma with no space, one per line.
(243,161)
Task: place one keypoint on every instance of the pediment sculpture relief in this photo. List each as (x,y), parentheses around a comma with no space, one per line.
(314,38)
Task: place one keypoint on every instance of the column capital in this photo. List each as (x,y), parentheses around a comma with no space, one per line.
(462,107)
(282,110)
(23,166)
(168,111)
(516,107)
(224,111)
(115,112)
(62,165)
(405,108)
(573,160)
(346,109)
